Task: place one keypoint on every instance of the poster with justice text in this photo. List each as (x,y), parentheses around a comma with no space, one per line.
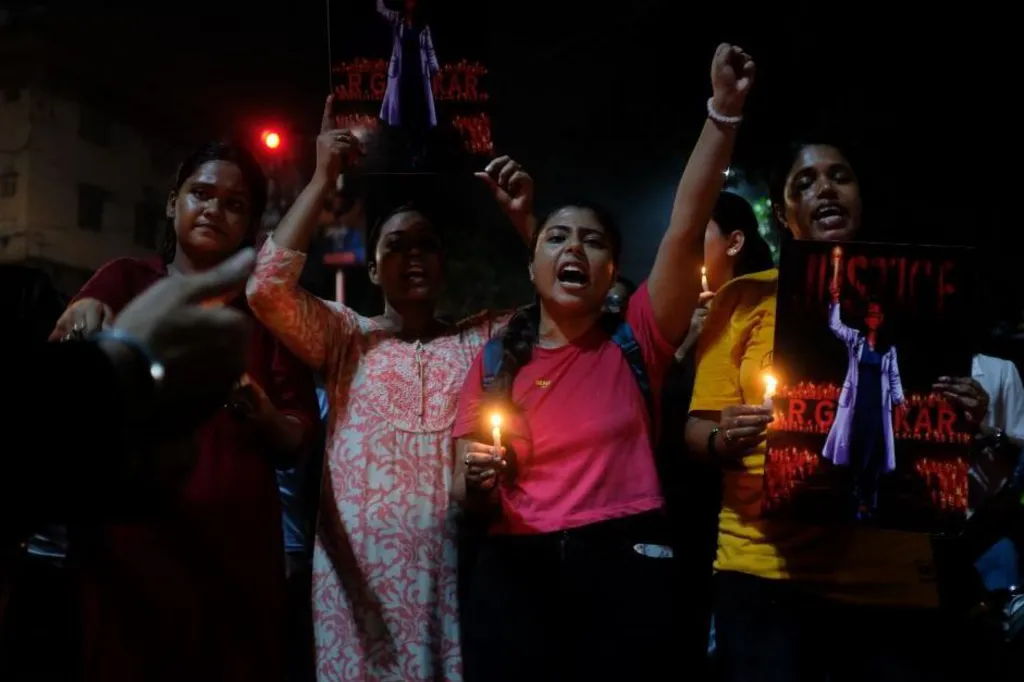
(864,332)
(411,78)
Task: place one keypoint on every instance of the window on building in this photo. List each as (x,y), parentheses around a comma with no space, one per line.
(91,200)
(8,184)
(94,126)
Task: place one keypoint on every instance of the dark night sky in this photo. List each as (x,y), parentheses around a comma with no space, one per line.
(608,102)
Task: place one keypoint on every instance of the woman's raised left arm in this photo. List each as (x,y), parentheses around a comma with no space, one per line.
(674,283)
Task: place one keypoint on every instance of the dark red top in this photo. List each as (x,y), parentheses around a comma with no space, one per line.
(198,593)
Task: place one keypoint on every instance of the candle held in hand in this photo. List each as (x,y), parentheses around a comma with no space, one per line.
(704,279)
(770,382)
(496,432)
(837,258)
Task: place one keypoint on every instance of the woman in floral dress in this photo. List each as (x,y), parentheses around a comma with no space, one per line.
(384,578)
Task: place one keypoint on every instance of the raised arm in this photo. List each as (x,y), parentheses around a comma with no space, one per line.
(673,284)
(389,14)
(835,323)
(513,191)
(307,325)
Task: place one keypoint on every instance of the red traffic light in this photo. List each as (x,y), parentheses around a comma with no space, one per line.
(271,139)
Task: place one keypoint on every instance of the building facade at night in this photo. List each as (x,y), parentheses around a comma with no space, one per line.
(83,174)
(77,187)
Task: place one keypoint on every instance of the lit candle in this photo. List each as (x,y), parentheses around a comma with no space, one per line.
(496,432)
(770,382)
(837,257)
(704,279)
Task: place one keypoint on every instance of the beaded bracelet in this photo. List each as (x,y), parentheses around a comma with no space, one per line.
(156,368)
(714,115)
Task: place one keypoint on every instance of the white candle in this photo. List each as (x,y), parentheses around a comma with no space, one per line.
(837,258)
(704,279)
(770,382)
(496,432)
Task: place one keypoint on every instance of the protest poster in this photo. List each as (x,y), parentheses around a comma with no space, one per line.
(860,435)
(411,78)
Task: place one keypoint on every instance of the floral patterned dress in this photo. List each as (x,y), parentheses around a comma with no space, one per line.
(384,568)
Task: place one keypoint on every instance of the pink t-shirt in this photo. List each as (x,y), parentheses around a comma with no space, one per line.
(588,455)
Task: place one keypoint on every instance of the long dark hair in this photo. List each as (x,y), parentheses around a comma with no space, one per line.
(252,174)
(731,213)
(374,234)
(521,334)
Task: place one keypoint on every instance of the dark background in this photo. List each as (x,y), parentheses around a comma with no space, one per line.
(604,100)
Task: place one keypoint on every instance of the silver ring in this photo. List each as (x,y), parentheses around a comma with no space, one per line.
(466,459)
(728,437)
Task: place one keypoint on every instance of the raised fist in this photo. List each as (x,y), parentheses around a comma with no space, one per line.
(337,150)
(732,76)
(512,187)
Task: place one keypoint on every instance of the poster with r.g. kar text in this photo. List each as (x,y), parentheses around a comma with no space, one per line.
(868,339)
(410,77)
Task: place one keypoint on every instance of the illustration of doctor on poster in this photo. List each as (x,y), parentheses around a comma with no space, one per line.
(861,436)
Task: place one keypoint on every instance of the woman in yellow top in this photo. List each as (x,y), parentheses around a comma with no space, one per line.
(795,602)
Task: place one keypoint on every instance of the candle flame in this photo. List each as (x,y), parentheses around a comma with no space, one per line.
(496,420)
(703,271)
(770,382)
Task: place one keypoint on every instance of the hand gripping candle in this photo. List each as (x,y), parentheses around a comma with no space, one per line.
(770,383)
(496,432)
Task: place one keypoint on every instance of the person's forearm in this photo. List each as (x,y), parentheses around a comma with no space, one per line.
(296,229)
(526,228)
(698,432)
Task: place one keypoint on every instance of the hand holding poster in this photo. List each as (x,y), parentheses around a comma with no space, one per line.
(407,76)
(864,331)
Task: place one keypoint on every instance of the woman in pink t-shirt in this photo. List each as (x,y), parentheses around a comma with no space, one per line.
(573,579)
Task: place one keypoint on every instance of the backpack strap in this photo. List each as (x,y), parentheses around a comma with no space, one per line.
(624,338)
(494,351)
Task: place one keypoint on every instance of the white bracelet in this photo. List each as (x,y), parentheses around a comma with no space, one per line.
(717,117)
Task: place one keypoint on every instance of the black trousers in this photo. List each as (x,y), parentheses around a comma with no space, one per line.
(585,604)
(776,631)
(299,646)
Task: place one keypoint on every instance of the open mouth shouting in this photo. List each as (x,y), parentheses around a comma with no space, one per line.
(831,216)
(573,275)
(415,274)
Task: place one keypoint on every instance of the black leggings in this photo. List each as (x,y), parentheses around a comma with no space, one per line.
(583,604)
